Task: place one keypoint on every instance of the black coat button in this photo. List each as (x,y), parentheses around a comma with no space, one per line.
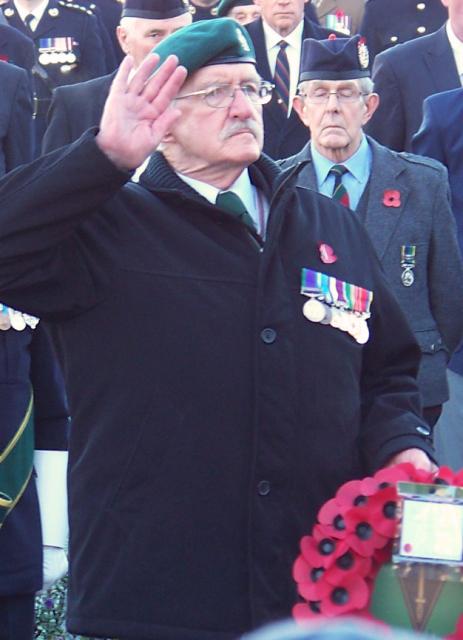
(268,335)
(263,488)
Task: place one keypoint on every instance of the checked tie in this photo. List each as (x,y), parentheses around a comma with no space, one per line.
(233,204)
(281,77)
(339,192)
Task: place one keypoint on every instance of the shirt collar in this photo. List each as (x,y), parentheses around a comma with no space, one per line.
(359,164)
(457,47)
(242,187)
(37,13)
(272,38)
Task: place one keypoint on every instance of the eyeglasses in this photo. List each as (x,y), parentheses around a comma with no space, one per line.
(222,95)
(320,95)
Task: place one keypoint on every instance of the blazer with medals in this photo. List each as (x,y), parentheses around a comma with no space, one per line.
(282,136)
(404,76)
(433,304)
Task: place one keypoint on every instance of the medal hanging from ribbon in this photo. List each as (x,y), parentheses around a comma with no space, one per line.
(12,319)
(336,303)
(408,263)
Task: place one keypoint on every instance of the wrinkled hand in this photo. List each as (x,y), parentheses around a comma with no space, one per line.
(139,111)
(55,565)
(417,457)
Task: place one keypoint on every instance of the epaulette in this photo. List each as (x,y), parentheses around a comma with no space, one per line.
(75,6)
(423,161)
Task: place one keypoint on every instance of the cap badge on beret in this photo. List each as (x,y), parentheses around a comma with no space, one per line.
(364,56)
(242,40)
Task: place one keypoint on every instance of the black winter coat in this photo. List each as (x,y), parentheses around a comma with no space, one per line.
(210,418)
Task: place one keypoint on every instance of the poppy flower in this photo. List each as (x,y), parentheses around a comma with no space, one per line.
(310,582)
(391,198)
(444,476)
(350,563)
(383,508)
(348,595)
(303,611)
(404,472)
(458,633)
(362,536)
(331,517)
(350,494)
(319,549)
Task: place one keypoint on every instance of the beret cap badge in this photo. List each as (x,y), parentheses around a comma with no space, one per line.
(364,56)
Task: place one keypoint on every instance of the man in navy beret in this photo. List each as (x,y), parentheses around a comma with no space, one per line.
(215,407)
(76,108)
(244,11)
(414,233)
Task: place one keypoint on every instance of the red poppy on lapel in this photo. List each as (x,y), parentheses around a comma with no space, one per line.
(391,198)
(327,254)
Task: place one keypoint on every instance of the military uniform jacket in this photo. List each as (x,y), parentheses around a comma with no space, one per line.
(389,22)
(210,418)
(27,358)
(73,110)
(433,304)
(440,137)
(404,76)
(61,20)
(282,136)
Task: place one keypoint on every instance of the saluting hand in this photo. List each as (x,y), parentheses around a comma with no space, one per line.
(139,111)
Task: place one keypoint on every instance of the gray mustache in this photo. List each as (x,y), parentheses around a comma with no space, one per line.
(235,127)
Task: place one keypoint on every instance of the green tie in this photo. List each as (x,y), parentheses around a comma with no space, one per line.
(233,204)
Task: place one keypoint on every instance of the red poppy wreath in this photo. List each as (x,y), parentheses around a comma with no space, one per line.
(336,569)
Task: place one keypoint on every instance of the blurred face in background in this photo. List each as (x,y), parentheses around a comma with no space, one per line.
(455,8)
(282,15)
(245,14)
(139,36)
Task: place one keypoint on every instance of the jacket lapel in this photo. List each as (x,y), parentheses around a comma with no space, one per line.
(380,219)
(441,63)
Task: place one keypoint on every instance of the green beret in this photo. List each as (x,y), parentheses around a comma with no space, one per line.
(207,42)
(227,5)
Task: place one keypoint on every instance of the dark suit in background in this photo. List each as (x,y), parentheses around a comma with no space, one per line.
(387,23)
(16,48)
(16,134)
(433,304)
(282,136)
(74,109)
(441,136)
(404,76)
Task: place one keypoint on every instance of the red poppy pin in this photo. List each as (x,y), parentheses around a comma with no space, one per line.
(391,198)
(327,254)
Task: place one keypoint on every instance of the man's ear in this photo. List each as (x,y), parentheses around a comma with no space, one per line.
(300,108)
(121,34)
(371,104)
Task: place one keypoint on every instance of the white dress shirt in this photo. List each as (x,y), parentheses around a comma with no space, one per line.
(37,13)
(251,197)
(293,51)
(457,49)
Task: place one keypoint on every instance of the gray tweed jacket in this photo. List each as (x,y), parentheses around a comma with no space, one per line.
(433,304)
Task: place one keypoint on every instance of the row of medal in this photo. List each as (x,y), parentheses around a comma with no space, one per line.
(60,50)
(12,319)
(336,303)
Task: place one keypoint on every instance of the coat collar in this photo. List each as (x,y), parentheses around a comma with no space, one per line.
(438,58)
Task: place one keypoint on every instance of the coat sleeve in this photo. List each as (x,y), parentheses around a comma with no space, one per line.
(18,145)
(428,140)
(51,415)
(445,267)
(52,230)
(387,125)
(58,132)
(391,419)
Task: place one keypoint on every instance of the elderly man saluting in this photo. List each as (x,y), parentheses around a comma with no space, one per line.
(402,199)
(214,407)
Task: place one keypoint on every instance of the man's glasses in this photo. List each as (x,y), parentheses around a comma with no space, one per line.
(221,96)
(320,95)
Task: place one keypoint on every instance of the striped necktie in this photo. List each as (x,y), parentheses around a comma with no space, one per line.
(339,191)
(281,77)
(233,204)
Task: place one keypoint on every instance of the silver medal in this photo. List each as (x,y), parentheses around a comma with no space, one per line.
(363,332)
(314,310)
(17,320)
(407,277)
